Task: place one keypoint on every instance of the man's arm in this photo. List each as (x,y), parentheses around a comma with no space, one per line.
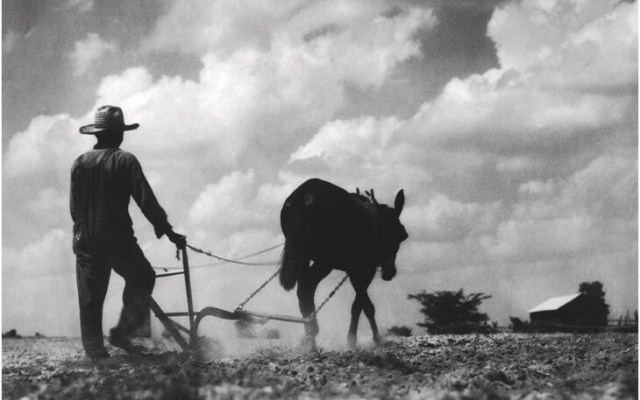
(143,195)
(72,195)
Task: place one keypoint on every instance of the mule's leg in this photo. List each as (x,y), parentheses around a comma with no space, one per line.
(356,309)
(307,285)
(362,303)
(370,313)
(360,282)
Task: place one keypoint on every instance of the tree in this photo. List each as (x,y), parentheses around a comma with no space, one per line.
(594,293)
(451,312)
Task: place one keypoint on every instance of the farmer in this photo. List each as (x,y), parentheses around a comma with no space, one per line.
(102,182)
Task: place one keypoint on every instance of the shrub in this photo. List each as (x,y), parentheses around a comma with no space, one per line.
(452,312)
(402,331)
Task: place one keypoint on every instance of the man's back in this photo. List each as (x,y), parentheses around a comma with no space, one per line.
(98,185)
(102,182)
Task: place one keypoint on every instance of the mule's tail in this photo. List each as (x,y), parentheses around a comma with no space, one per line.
(295,256)
(290,265)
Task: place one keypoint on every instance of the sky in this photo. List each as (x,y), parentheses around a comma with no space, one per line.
(511,126)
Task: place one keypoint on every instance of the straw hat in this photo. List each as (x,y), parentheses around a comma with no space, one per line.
(108,119)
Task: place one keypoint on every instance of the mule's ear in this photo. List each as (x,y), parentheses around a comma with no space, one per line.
(399,203)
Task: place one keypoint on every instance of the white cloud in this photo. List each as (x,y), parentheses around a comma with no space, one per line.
(519,240)
(48,146)
(83,6)
(204,26)
(607,187)
(225,203)
(581,45)
(594,210)
(9,41)
(223,27)
(446,220)
(528,32)
(363,140)
(47,255)
(89,51)
(49,204)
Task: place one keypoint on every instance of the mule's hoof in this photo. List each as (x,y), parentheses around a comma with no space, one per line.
(308,344)
(352,343)
(379,341)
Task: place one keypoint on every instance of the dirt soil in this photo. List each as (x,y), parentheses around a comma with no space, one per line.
(501,366)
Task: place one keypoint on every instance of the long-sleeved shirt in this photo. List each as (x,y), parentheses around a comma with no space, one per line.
(102,182)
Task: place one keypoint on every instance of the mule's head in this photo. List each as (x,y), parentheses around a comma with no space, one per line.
(394,234)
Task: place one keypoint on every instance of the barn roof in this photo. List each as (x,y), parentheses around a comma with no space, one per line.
(554,303)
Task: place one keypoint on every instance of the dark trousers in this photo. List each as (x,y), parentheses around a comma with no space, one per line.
(94,262)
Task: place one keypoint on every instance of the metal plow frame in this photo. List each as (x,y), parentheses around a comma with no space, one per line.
(175,329)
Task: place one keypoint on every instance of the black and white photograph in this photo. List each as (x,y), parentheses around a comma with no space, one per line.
(320,199)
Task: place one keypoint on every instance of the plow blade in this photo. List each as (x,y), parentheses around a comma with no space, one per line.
(266,317)
(250,315)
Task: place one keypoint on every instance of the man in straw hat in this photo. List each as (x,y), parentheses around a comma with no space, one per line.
(102,182)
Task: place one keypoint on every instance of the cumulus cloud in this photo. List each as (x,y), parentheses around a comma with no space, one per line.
(521,240)
(47,146)
(89,51)
(9,41)
(446,220)
(350,142)
(223,27)
(83,6)
(46,256)
(545,96)
(592,211)
(606,189)
(564,36)
(229,202)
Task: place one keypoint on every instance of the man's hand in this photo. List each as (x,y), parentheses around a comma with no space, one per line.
(179,240)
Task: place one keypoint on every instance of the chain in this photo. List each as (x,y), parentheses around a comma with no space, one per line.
(335,290)
(239,308)
(252,295)
(207,253)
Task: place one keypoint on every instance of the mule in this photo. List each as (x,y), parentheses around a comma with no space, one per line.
(339,230)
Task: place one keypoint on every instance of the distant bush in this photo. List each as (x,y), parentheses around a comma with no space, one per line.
(518,325)
(452,312)
(599,308)
(11,334)
(402,331)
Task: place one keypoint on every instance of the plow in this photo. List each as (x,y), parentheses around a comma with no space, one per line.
(187,336)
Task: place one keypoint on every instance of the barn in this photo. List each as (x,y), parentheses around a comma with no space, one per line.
(565,313)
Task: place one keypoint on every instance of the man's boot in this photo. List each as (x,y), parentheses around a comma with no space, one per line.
(117,339)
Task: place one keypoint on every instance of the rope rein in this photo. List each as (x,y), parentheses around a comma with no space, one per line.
(207,253)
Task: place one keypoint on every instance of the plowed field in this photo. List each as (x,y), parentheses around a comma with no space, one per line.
(501,366)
